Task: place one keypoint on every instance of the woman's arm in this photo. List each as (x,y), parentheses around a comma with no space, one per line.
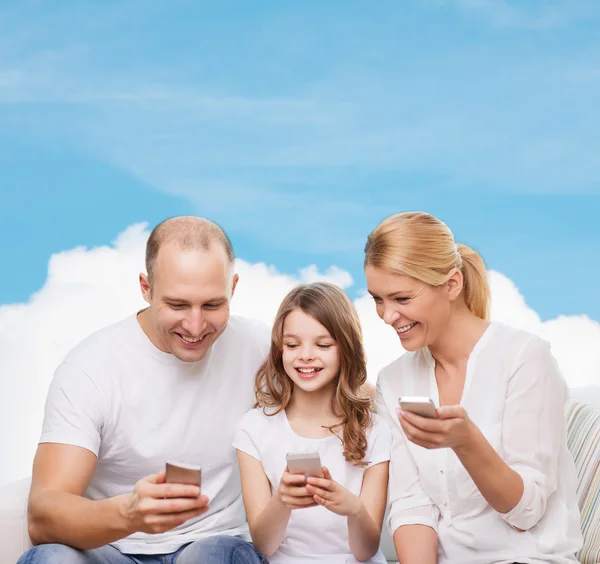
(413,516)
(416,544)
(268,514)
(501,486)
(518,484)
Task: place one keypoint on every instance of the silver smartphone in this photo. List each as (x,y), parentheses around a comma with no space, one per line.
(180,473)
(307,463)
(420,405)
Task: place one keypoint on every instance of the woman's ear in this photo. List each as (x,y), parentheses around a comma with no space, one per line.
(455,284)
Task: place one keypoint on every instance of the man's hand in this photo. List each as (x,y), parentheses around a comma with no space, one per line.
(452,429)
(156,507)
(333,496)
(292,491)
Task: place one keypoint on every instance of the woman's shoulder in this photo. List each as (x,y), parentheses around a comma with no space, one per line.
(410,362)
(518,342)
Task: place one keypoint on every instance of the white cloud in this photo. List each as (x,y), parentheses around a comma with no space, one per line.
(89,288)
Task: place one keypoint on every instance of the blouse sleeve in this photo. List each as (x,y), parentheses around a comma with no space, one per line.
(408,503)
(534,430)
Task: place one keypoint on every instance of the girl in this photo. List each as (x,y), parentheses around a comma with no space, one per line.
(308,399)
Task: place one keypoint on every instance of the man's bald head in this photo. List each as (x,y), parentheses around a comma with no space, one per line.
(188,233)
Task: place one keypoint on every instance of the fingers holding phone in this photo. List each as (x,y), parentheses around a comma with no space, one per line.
(292,486)
(157,505)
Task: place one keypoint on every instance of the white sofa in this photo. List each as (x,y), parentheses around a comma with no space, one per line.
(14,539)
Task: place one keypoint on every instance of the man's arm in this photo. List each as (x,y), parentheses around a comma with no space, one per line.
(58,512)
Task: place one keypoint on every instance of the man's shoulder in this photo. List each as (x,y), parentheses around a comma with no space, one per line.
(246,331)
(100,342)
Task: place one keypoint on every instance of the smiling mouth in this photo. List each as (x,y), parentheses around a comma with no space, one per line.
(308,372)
(406,328)
(191,340)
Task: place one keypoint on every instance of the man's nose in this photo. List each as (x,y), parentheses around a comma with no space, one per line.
(194,323)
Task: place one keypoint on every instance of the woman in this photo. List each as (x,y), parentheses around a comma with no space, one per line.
(490,479)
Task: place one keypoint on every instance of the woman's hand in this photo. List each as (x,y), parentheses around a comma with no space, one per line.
(452,428)
(293,493)
(333,496)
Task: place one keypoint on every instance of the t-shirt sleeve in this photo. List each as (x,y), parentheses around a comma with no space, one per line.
(246,434)
(380,442)
(73,413)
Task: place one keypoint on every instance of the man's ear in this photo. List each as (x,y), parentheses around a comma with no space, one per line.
(236,277)
(145,288)
(455,284)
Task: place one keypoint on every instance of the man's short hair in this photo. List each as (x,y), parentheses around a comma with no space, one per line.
(188,232)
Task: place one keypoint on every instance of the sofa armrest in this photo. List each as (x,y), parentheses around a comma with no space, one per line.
(14,538)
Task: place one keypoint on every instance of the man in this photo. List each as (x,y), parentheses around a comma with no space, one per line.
(169,383)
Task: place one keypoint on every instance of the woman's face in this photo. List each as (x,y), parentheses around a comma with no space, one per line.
(417,311)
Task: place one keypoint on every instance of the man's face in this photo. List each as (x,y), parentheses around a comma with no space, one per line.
(189,299)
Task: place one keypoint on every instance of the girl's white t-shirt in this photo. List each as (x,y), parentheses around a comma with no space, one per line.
(314,534)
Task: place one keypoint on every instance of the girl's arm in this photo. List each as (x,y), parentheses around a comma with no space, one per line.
(268,513)
(364,528)
(365,512)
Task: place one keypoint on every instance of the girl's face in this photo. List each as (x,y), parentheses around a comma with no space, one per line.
(310,355)
(417,311)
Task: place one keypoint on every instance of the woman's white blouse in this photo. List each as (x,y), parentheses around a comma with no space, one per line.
(515,394)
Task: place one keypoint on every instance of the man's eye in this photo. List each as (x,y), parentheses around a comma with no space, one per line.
(211,306)
(176,306)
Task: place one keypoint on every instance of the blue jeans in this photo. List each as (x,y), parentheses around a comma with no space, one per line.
(213,550)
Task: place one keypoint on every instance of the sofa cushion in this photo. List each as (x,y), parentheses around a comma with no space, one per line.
(583,437)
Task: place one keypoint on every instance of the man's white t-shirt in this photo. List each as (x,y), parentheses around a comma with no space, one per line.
(314,534)
(135,407)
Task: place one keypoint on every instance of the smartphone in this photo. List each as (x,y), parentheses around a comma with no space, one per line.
(179,473)
(422,406)
(307,463)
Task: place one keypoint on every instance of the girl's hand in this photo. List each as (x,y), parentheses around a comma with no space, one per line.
(334,497)
(452,429)
(292,491)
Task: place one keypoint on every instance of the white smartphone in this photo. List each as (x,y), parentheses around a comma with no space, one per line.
(420,405)
(307,463)
(180,473)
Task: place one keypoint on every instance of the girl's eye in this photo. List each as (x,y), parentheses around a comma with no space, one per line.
(290,345)
(324,346)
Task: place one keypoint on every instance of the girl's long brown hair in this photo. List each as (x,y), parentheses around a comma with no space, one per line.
(330,306)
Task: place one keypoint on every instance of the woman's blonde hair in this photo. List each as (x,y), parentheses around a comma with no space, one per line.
(330,306)
(420,245)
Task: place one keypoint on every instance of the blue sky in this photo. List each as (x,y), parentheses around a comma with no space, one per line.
(299,125)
